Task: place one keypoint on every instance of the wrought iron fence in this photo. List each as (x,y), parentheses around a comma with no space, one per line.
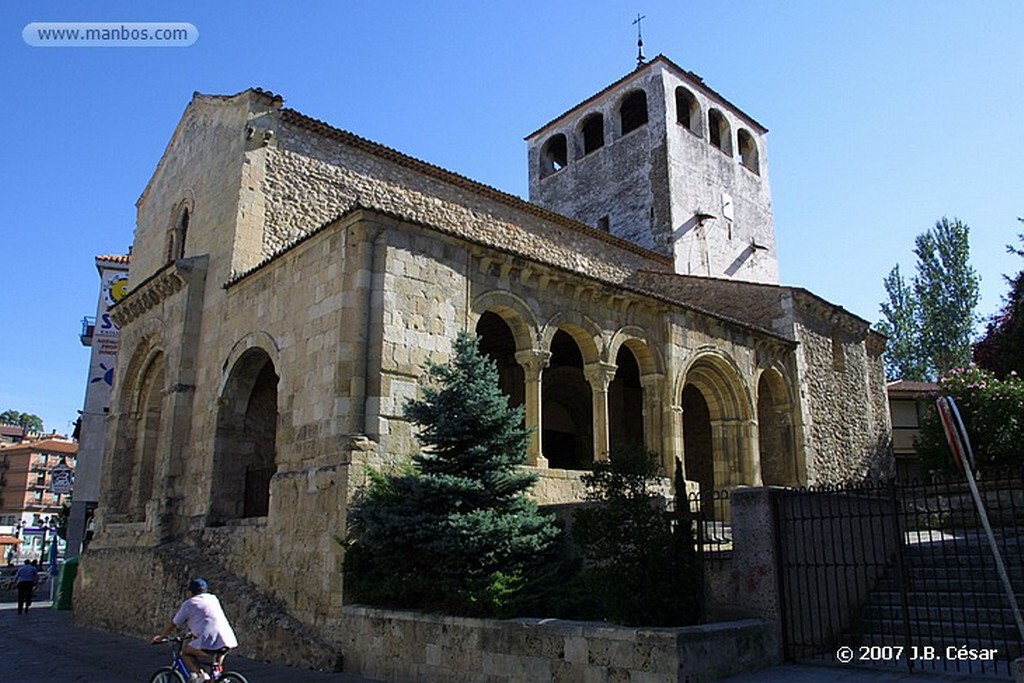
(901,574)
(713,512)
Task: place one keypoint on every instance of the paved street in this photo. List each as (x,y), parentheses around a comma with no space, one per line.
(43,645)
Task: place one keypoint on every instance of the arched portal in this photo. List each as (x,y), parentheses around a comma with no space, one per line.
(625,402)
(698,449)
(245,455)
(498,343)
(723,411)
(775,432)
(140,474)
(567,413)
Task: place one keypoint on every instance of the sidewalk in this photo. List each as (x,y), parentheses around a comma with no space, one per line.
(43,645)
(812,673)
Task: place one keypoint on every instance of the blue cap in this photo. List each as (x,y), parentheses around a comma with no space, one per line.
(197,586)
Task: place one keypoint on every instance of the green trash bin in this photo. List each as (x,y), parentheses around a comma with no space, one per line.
(66,584)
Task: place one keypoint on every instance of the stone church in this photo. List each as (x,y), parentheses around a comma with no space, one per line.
(289,280)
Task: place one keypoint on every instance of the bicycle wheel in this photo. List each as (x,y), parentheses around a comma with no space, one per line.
(166,674)
(232,677)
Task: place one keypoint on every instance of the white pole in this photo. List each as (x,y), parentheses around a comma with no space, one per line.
(960,442)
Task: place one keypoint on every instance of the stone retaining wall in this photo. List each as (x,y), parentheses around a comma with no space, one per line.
(410,646)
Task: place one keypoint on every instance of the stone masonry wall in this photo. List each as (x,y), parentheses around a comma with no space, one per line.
(311,179)
(848,433)
(405,646)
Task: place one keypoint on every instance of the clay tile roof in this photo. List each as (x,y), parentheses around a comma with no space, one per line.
(115,258)
(908,388)
(47,445)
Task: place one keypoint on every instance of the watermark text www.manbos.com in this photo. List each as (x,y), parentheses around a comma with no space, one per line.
(110,34)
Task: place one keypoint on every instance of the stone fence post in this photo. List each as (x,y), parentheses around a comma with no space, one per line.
(755,562)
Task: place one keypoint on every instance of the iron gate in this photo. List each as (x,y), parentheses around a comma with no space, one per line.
(901,574)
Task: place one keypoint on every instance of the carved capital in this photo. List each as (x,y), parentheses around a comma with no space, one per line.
(533,361)
(600,374)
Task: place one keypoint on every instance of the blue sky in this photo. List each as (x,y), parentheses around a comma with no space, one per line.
(883,115)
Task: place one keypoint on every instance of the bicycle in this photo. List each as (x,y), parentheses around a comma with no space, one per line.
(177,672)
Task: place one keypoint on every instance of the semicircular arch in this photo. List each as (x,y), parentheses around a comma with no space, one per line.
(252,340)
(516,313)
(584,331)
(636,340)
(719,379)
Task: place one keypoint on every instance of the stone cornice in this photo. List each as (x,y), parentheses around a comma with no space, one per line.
(163,284)
(830,313)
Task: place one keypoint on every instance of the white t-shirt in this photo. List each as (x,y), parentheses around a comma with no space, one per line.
(205,618)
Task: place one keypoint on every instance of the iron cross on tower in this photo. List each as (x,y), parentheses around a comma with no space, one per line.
(639,41)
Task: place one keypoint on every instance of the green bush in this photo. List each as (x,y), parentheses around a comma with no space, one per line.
(639,568)
(993,413)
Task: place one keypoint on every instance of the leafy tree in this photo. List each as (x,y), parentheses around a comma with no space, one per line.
(902,325)
(639,568)
(931,320)
(454,530)
(30,422)
(1001,349)
(993,413)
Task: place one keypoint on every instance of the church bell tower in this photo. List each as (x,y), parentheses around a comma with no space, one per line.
(662,160)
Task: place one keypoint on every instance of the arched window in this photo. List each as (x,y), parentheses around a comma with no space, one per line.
(176,237)
(748,150)
(687,110)
(718,131)
(553,155)
(593,133)
(633,111)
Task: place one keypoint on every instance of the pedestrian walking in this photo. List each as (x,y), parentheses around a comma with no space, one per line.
(26,580)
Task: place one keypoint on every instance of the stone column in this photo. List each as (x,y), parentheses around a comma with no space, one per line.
(672,436)
(354,354)
(533,362)
(652,385)
(600,375)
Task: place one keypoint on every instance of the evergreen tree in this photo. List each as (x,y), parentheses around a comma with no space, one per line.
(930,322)
(455,531)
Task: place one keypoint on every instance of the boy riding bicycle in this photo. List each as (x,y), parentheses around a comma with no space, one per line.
(205,618)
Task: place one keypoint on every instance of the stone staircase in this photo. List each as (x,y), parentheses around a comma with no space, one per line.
(133,591)
(954,598)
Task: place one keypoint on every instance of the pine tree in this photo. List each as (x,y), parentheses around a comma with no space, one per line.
(455,531)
